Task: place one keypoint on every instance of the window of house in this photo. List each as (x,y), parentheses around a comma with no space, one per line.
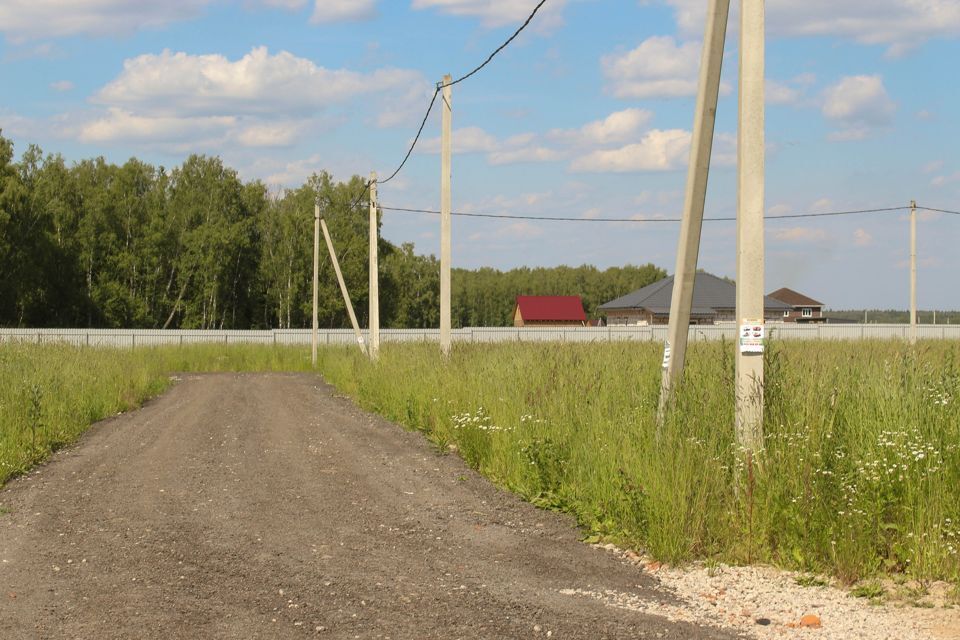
(808,312)
(786,314)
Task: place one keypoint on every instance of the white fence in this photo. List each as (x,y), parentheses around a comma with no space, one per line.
(784,331)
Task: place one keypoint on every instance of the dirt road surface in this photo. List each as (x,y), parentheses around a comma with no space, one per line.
(264,506)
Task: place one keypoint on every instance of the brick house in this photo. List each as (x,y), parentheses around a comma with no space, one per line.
(714,300)
(802,308)
(549,311)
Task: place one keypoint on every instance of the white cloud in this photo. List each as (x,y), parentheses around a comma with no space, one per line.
(822,205)
(897,24)
(30,19)
(612,129)
(511,231)
(862,238)
(513,150)
(256,83)
(272,134)
(525,154)
(799,234)
(858,104)
(343,10)
(258,100)
(62,85)
(23,19)
(498,13)
(118,124)
(295,172)
(657,151)
(180,101)
(658,68)
(940,181)
(780,93)
(466,140)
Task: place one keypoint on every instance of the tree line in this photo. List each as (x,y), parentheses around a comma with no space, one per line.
(95,244)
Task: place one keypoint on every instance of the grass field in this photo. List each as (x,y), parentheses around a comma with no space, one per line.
(860,474)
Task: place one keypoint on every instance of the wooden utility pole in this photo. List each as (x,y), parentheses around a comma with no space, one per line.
(316,267)
(750,241)
(913,272)
(374,272)
(445,153)
(698,172)
(343,287)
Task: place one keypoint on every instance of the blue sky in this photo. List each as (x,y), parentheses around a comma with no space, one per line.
(586,115)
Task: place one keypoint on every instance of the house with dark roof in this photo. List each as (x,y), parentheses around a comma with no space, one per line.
(549,311)
(714,300)
(802,308)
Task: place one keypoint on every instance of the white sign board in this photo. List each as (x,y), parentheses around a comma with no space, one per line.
(752,333)
(666,356)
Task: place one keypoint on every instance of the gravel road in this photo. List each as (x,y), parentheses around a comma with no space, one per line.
(264,506)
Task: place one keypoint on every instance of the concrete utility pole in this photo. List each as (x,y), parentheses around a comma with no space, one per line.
(343,287)
(374,272)
(913,272)
(698,172)
(750,241)
(445,153)
(316,267)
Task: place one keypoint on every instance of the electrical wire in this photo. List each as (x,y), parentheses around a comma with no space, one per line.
(953,213)
(672,220)
(436,92)
(415,139)
(497,50)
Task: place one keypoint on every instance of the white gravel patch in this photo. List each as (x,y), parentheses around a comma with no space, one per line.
(763,602)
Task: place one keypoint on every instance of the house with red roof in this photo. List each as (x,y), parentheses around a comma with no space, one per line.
(549,311)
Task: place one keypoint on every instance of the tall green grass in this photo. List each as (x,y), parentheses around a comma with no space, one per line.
(860,473)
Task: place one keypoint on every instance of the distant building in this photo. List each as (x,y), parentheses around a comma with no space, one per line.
(549,311)
(802,308)
(714,300)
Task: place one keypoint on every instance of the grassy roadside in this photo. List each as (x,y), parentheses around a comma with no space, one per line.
(860,476)
(861,473)
(50,394)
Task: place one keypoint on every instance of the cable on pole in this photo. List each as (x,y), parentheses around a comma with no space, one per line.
(416,138)
(948,211)
(497,50)
(436,92)
(671,220)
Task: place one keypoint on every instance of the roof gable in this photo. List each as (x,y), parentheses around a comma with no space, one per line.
(709,291)
(557,308)
(794,298)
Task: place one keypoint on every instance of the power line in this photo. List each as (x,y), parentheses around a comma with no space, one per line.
(415,139)
(498,49)
(440,86)
(672,220)
(953,213)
